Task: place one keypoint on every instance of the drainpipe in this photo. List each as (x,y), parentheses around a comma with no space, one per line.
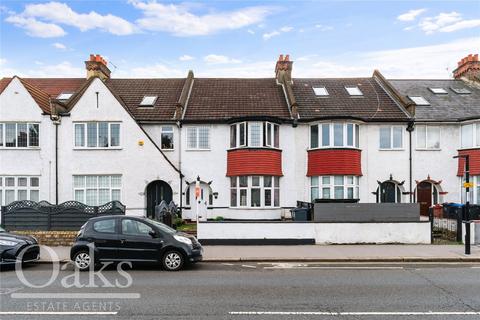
(179,126)
(410,129)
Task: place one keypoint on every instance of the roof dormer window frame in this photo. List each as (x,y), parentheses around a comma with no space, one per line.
(438,90)
(461,91)
(148,101)
(419,100)
(354,91)
(320,91)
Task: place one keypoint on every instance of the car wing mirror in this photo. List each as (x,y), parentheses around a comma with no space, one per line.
(153,234)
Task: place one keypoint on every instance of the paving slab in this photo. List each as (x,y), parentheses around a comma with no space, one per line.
(326,253)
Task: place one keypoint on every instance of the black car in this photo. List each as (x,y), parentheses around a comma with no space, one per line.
(15,247)
(134,239)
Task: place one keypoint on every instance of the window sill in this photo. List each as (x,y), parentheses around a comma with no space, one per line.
(421,149)
(167,150)
(402,149)
(93,149)
(336,147)
(254,208)
(198,149)
(247,148)
(21,148)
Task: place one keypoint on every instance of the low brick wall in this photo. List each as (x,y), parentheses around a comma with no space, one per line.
(51,238)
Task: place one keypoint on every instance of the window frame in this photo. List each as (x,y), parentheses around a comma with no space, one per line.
(85,141)
(331,135)
(332,185)
(391,136)
(236,188)
(29,188)
(323,93)
(197,138)
(474,136)
(438,90)
(172,132)
(357,92)
(3,135)
(84,188)
(419,100)
(264,137)
(426,127)
(143,104)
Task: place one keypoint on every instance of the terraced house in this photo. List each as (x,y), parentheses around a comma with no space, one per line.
(256,145)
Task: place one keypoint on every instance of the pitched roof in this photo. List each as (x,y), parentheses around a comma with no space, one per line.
(44,89)
(132,91)
(374,105)
(217,99)
(443,107)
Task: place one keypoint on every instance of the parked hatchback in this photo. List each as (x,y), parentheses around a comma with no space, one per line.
(134,239)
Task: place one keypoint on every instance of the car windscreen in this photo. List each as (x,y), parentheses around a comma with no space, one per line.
(161,226)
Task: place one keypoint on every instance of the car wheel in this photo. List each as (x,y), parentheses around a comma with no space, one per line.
(173,260)
(82,260)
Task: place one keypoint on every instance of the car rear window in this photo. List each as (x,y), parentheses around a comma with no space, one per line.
(104,226)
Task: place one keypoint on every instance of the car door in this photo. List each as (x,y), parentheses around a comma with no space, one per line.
(105,238)
(136,241)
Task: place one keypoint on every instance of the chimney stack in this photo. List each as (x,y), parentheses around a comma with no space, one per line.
(97,67)
(468,68)
(283,69)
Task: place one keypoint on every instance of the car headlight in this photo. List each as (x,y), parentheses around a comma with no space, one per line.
(183,239)
(7,243)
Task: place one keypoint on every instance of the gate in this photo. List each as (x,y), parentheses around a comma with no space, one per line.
(444,225)
(44,216)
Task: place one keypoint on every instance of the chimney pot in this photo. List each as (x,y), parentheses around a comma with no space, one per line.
(468,67)
(97,67)
(287,57)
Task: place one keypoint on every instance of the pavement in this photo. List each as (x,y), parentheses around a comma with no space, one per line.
(325,253)
(253,291)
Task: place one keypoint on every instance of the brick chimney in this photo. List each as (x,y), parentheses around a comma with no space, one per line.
(468,68)
(97,67)
(283,69)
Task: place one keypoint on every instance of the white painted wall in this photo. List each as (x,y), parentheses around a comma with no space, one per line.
(323,233)
(138,165)
(16,105)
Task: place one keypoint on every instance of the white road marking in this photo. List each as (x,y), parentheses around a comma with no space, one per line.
(63,313)
(83,295)
(475,267)
(248,266)
(322,313)
(335,268)
(228,264)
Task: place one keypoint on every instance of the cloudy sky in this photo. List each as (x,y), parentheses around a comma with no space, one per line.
(148,38)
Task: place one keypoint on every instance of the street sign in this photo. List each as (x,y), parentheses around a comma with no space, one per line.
(468,185)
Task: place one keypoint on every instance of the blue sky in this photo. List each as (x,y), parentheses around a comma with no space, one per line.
(143,38)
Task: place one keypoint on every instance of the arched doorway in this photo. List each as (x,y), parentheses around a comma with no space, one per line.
(157,191)
(426,195)
(389,192)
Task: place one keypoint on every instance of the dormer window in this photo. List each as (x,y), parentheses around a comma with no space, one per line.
(438,90)
(419,100)
(320,91)
(148,101)
(461,90)
(354,91)
(64,96)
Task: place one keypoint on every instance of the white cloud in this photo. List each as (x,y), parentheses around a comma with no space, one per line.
(275,33)
(219,59)
(251,31)
(185,57)
(322,27)
(63,69)
(411,15)
(447,22)
(35,28)
(434,61)
(178,20)
(56,13)
(269,35)
(59,46)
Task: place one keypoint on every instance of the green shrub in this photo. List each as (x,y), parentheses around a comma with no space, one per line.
(219,218)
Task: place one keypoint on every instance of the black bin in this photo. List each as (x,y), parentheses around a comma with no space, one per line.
(301,214)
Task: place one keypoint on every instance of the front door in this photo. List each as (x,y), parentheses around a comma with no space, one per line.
(157,191)
(136,242)
(387,192)
(202,203)
(424,197)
